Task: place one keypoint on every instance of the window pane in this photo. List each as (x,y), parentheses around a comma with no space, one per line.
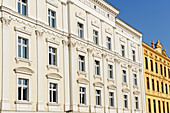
(54,60)
(54,96)
(24,52)
(53,22)
(19,51)
(49,58)
(19,93)
(24,1)
(49,21)
(19,7)
(25,93)
(50,96)
(23,9)
(25,82)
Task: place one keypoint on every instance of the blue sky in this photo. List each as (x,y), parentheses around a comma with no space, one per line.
(151,17)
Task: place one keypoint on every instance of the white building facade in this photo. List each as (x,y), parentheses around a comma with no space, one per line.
(69,56)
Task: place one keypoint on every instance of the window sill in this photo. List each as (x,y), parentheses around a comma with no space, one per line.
(98,106)
(136,110)
(125,109)
(110,80)
(82,73)
(23,102)
(53,67)
(83,105)
(135,87)
(124,84)
(111,107)
(22,60)
(97,76)
(53,104)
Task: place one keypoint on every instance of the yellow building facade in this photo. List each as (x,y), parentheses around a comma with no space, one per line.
(157,78)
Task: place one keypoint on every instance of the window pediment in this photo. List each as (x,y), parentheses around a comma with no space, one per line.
(98,84)
(111,87)
(124,66)
(22,30)
(83,81)
(80,15)
(53,40)
(136,92)
(53,76)
(95,23)
(52,2)
(126,90)
(108,30)
(24,70)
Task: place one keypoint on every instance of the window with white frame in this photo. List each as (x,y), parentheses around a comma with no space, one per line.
(123,50)
(134,55)
(53,92)
(125,101)
(51,18)
(81,63)
(98,97)
(135,79)
(111,99)
(80,30)
(95,37)
(23,89)
(22,7)
(124,76)
(97,67)
(82,95)
(52,56)
(109,43)
(110,71)
(23,48)
(136,103)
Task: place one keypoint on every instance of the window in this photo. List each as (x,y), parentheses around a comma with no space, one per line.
(161,69)
(149,105)
(159,106)
(169,73)
(153,85)
(51,18)
(167,105)
(22,7)
(157,86)
(124,76)
(80,30)
(163,105)
(135,79)
(123,50)
(82,94)
(146,62)
(53,92)
(98,97)
(162,87)
(95,37)
(97,67)
(136,102)
(166,88)
(23,48)
(110,71)
(52,56)
(134,55)
(125,101)
(147,79)
(23,92)
(111,99)
(81,63)
(165,71)
(154,106)
(109,43)
(151,65)
(156,67)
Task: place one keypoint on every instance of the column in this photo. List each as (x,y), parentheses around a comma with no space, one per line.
(131,88)
(5,63)
(66,75)
(64,16)
(70,18)
(39,35)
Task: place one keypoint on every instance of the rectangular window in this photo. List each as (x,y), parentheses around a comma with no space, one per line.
(52,56)
(124,76)
(169,73)
(147,80)
(22,7)
(167,105)
(51,18)
(157,86)
(154,106)
(135,79)
(151,65)
(97,67)
(81,63)
(123,50)
(98,97)
(166,88)
(23,48)
(134,55)
(23,89)
(111,99)
(162,87)
(153,85)
(149,105)
(80,30)
(53,92)
(161,69)
(163,105)
(146,62)
(109,43)
(159,106)
(165,71)
(136,102)
(156,67)
(82,94)
(125,101)
(110,71)
(95,37)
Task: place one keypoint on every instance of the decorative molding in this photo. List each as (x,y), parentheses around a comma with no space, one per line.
(108,30)
(53,40)
(22,30)
(135,70)
(98,84)
(124,66)
(111,87)
(129,66)
(82,80)
(136,92)
(39,33)
(82,73)
(81,49)
(95,23)
(126,90)
(53,67)
(97,55)
(24,70)
(90,50)
(53,3)
(65,42)
(110,59)
(5,21)
(133,45)
(122,39)
(80,15)
(54,76)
